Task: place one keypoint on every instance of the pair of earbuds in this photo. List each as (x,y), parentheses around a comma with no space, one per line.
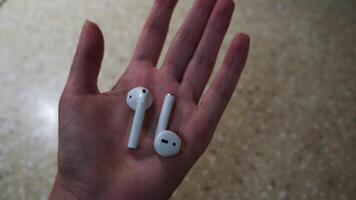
(166,142)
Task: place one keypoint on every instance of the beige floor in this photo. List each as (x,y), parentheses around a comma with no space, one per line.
(289,132)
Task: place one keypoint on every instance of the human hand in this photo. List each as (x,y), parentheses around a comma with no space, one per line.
(93,159)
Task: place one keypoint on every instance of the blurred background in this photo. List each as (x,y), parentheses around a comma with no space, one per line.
(289,131)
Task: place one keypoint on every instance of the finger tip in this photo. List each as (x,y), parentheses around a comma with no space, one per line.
(91,42)
(241,42)
(242,37)
(89,24)
(92,31)
(238,51)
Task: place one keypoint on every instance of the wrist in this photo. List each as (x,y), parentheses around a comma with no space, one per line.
(61,191)
(64,189)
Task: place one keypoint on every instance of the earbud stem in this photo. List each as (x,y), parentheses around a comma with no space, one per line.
(165,113)
(137,123)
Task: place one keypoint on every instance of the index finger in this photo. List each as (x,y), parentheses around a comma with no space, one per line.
(150,43)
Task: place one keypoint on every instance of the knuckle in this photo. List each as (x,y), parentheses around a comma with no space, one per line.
(217,28)
(168,3)
(204,5)
(219,24)
(187,37)
(154,28)
(203,60)
(222,94)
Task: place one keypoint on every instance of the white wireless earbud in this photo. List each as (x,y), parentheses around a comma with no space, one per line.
(139,99)
(166,143)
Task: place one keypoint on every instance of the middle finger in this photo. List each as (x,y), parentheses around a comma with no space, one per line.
(187,38)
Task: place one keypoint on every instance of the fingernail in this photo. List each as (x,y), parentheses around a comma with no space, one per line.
(87,21)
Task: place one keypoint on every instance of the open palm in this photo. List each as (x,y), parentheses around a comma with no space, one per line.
(93,159)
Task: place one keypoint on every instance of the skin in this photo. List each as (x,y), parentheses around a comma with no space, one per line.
(93,159)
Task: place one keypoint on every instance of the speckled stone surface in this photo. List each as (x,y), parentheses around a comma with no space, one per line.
(289,131)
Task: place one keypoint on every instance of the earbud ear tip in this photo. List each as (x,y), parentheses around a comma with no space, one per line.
(134,94)
(167,143)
